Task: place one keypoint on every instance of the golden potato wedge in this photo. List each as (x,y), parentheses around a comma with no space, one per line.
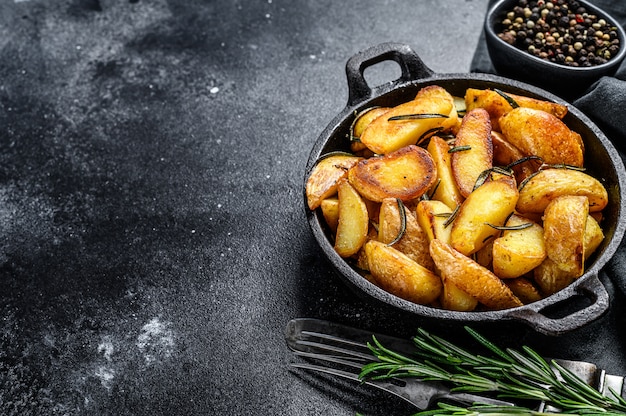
(549,184)
(536,132)
(504,154)
(454,299)
(330,211)
(484,256)
(489,205)
(413,241)
(524,289)
(353,221)
(445,187)
(593,236)
(497,105)
(432,216)
(518,251)
(383,135)
(361,121)
(550,278)
(564,223)
(405,174)
(471,277)
(322,182)
(475,135)
(401,276)
(361,257)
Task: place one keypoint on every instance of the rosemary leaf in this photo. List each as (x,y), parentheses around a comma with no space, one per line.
(416,116)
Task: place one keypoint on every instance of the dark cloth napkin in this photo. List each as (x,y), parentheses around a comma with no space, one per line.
(604,103)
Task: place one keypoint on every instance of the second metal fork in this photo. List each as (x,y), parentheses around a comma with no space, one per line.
(341,351)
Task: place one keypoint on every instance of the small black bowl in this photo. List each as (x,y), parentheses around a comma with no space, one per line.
(560,79)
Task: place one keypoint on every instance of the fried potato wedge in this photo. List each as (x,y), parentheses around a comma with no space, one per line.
(472,278)
(361,121)
(406,174)
(518,251)
(468,164)
(330,211)
(432,216)
(322,182)
(398,274)
(524,289)
(550,278)
(593,236)
(549,184)
(445,187)
(489,205)
(353,221)
(433,104)
(413,240)
(564,224)
(454,299)
(536,132)
(504,154)
(497,105)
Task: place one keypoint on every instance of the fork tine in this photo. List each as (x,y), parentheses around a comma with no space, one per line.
(421,401)
(330,358)
(311,346)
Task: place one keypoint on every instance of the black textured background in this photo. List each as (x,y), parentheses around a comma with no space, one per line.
(153,241)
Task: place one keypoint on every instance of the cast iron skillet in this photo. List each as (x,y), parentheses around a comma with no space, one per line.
(584,300)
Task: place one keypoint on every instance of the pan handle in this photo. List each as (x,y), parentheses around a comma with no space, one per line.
(592,288)
(411,65)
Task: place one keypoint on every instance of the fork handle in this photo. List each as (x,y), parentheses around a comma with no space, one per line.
(469,399)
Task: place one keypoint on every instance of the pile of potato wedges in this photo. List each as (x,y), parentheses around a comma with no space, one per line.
(470,203)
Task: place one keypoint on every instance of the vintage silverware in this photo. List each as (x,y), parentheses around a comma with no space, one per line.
(342,350)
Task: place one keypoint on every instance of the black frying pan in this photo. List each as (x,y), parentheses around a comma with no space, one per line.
(602,161)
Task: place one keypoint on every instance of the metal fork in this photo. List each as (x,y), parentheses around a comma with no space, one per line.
(341,351)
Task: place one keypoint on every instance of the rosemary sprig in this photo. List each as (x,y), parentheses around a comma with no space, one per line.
(508,373)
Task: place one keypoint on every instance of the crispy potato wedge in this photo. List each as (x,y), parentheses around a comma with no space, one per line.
(518,251)
(471,277)
(484,256)
(467,165)
(405,174)
(445,187)
(549,184)
(361,121)
(550,278)
(322,182)
(504,154)
(330,211)
(524,289)
(536,132)
(454,299)
(353,222)
(383,135)
(432,216)
(564,224)
(593,236)
(489,205)
(398,274)
(496,105)
(413,241)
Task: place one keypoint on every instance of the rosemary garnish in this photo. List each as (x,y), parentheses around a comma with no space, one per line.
(402,230)
(334,153)
(428,134)
(507,97)
(510,227)
(460,148)
(357,116)
(416,116)
(508,373)
(452,216)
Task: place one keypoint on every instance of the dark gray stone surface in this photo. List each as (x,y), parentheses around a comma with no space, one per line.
(153,241)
